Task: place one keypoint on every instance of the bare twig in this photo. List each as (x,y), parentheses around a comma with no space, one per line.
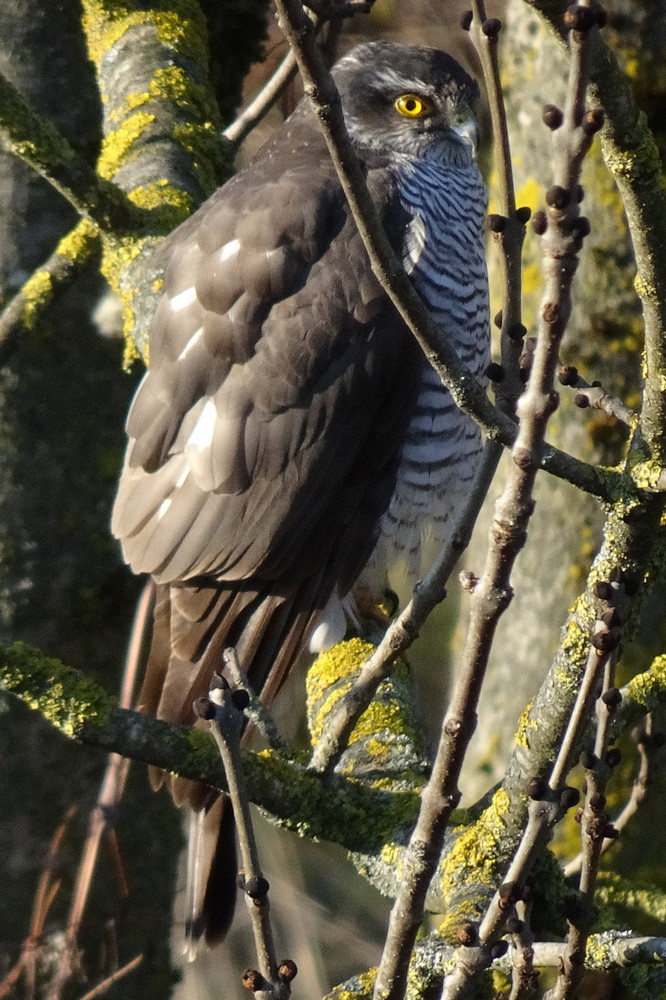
(113,783)
(572,138)
(256,711)
(250,117)
(225,709)
(102,987)
(595,396)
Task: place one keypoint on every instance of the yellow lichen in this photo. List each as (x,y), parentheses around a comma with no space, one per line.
(117,145)
(36,292)
(474,858)
(181,27)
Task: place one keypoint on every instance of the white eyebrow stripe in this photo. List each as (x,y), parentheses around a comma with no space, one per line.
(183,299)
(229,249)
(192,342)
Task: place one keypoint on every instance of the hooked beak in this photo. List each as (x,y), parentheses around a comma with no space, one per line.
(468,133)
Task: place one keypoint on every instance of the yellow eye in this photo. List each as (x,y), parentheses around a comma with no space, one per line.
(411,106)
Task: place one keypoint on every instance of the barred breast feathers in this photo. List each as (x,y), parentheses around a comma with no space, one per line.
(445,257)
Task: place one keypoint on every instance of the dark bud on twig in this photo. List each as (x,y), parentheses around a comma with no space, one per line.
(588,760)
(581,401)
(254,981)
(287,970)
(603,590)
(592,121)
(612,697)
(524,214)
(581,226)
(218,683)
(499,949)
(498,320)
(602,17)
(569,797)
(494,372)
(611,832)
(539,223)
(240,699)
(491,27)
(509,894)
(551,312)
(497,223)
(579,18)
(606,640)
(468,934)
(466,20)
(615,575)
(514,925)
(537,788)
(203,708)
(557,197)
(256,888)
(517,331)
(580,193)
(567,375)
(613,757)
(611,619)
(552,116)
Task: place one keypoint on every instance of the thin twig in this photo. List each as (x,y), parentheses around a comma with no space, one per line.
(256,711)
(595,396)
(113,782)
(225,711)
(102,987)
(250,117)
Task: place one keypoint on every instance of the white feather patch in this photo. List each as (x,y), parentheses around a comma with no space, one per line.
(183,299)
(192,342)
(229,249)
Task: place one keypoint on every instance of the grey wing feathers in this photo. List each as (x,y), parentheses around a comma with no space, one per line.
(265,389)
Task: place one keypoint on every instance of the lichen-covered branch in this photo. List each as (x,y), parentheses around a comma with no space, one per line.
(63,266)
(362,813)
(161,142)
(38,142)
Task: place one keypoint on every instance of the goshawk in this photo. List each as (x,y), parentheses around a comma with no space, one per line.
(289,436)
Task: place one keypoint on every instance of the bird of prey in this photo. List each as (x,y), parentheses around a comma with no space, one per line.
(289,439)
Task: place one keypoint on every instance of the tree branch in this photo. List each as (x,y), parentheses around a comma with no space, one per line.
(40,290)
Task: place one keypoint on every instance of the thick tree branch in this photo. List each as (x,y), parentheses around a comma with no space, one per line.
(38,142)
(360,813)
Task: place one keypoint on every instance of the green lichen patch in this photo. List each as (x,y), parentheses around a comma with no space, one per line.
(117,145)
(179,24)
(66,698)
(649,688)
(474,859)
